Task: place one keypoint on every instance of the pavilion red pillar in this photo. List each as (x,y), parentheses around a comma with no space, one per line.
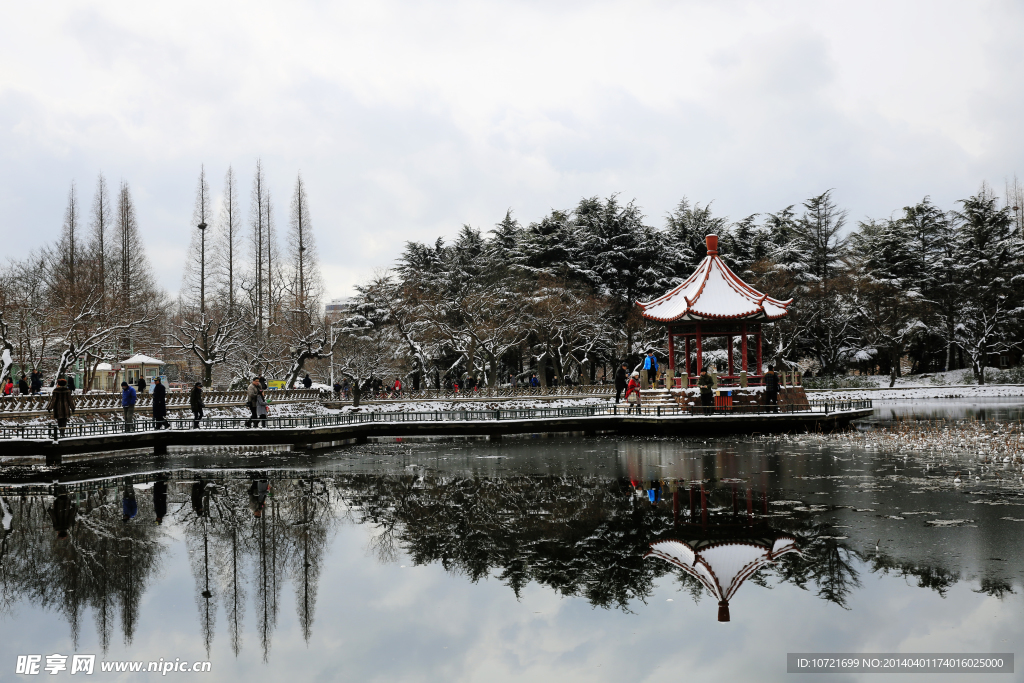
(732,366)
(743,348)
(686,363)
(700,352)
(671,359)
(759,371)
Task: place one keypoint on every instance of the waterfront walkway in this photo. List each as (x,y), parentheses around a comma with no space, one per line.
(319,431)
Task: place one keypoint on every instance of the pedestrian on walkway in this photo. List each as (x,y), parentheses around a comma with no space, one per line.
(62,404)
(23,386)
(128,399)
(707,391)
(250,401)
(620,381)
(141,384)
(195,402)
(306,381)
(9,387)
(71,383)
(650,371)
(262,409)
(771,389)
(37,381)
(633,393)
(160,405)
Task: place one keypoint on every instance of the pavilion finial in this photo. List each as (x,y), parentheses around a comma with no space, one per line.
(712,242)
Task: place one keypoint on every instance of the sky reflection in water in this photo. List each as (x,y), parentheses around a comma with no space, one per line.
(467,560)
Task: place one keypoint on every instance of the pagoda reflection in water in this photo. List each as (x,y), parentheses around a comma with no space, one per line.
(723,556)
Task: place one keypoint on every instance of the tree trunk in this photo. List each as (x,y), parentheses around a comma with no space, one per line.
(357,393)
(892,371)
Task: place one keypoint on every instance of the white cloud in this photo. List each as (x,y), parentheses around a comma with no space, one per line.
(409,119)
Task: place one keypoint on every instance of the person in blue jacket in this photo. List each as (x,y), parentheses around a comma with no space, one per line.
(128,399)
(650,369)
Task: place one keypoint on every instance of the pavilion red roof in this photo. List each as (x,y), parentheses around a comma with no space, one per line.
(714,292)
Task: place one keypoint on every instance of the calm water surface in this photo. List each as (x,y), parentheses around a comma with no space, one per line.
(515,560)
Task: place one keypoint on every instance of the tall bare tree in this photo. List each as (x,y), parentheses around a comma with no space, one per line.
(229,244)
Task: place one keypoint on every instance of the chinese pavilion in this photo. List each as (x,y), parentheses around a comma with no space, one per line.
(714,302)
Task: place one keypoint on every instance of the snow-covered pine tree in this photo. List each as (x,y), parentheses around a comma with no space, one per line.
(988,267)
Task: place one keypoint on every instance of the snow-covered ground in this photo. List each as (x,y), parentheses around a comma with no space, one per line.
(921,393)
(440,406)
(952,384)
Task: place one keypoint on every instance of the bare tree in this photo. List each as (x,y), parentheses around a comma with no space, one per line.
(305,285)
(101,224)
(229,244)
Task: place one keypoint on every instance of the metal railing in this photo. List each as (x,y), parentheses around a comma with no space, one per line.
(176,400)
(51,431)
(479,392)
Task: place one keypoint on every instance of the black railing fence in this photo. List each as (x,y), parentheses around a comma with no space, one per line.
(87,429)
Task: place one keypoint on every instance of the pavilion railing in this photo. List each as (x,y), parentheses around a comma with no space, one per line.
(92,429)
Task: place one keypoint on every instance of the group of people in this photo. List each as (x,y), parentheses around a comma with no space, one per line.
(631,383)
(32,384)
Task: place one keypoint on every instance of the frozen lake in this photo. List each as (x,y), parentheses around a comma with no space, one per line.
(517,560)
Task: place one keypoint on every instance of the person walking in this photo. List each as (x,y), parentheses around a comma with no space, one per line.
(262,410)
(160,405)
(707,394)
(250,401)
(9,387)
(62,404)
(397,388)
(306,381)
(128,400)
(37,381)
(263,383)
(195,402)
(141,384)
(23,386)
(632,396)
(71,383)
(771,389)
(620,381)
(650,372)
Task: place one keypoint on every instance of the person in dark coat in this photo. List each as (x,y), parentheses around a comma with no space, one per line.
(620,381)
(37,381)
(306,381)
(62,404)
(62,514)
(141,384)
(23,385)
(195,402)
(771,389)
(707,391)
(160,405)
(71,383)
(160,500)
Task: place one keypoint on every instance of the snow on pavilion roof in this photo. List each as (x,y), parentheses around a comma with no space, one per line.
(714,292)
(722,566)
(140,359)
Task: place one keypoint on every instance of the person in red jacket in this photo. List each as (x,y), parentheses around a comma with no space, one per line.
(633,389)
(397,389)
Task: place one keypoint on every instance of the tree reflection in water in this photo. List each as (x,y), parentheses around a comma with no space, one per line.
(68,549)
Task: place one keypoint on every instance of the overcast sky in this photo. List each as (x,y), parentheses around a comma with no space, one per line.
(408,120)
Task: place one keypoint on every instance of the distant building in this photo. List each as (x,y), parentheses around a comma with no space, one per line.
(338,308)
